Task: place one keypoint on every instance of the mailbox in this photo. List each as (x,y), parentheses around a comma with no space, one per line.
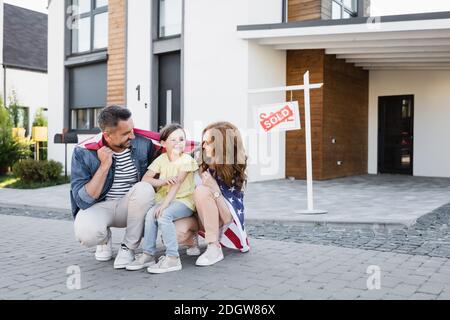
(66,138)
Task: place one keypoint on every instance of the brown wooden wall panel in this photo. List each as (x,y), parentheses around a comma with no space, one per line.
(346,94)
(117,52)
(298,62)
(303,10)
(339,110)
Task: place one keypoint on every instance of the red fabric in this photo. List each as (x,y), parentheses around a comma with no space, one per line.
(96,143)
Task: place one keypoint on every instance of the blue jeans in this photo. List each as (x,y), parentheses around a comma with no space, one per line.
(177,210)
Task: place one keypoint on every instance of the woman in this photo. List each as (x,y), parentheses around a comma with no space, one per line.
(219,199)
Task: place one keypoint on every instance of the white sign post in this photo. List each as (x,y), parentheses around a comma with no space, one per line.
(306,87)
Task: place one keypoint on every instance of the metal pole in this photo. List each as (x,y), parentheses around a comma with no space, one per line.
(309,169)
(65,161)
(309,163)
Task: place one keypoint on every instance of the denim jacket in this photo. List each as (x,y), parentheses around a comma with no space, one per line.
(85,164)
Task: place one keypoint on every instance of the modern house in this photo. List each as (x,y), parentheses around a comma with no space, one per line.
(23,55)
(384,106)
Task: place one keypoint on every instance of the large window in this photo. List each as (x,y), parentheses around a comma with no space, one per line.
(170,18)
(344,9)
(87,95)
(89,25)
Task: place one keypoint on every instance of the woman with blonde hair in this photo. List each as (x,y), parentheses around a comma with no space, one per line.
(220,197)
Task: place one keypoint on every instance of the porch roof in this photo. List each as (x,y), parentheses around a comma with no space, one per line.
(413,41)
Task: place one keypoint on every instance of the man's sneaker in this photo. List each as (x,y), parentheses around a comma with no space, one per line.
(142,261)
(124,258)
(212,255)
(165,264)
(104,252)
(194,251)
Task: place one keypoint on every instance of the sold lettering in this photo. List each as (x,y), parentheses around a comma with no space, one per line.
(268,123)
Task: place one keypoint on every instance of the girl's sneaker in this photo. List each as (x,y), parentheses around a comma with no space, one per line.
(166,264)
(194,251)
(142,261)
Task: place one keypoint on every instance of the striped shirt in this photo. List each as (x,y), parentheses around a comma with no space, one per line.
(125,176)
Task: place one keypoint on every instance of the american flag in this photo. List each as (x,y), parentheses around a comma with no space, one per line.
(234,235)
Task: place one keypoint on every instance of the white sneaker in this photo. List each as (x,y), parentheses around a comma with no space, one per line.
(212,255)
(165,264)
(194,251)
(124,257)
(104,252)
(142,261)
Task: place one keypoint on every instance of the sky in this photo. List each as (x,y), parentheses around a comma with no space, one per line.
(390,7)
(378,7)
(36,5)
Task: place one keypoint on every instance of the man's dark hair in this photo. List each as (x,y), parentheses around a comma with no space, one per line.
(110,117)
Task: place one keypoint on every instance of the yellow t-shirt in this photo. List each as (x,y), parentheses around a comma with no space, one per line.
(168,169)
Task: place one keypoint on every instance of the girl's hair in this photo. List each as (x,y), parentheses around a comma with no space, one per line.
(229,153)
(168,130)
(165,134)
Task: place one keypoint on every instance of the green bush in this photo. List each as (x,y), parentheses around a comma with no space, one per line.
(38,171)
(11,150)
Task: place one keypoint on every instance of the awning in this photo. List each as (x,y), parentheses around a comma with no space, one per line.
(415,41)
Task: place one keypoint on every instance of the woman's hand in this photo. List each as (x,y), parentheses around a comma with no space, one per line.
(209,181)
(160,210)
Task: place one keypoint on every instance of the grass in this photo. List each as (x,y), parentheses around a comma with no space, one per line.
(12,182)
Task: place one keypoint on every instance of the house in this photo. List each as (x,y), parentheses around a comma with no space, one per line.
(383,108)
(23,55)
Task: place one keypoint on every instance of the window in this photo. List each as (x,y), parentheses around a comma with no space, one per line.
(170,18)
(87,95)
(344,9)
(89,25)
(85,119)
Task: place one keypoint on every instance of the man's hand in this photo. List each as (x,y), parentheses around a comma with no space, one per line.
(105,155)
(95,186)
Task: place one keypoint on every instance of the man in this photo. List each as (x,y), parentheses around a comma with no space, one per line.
(106,187)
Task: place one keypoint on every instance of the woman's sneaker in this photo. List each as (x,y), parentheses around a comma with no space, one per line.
(104,252)
(142,261)
(212,255)
(165,264)
(194,250)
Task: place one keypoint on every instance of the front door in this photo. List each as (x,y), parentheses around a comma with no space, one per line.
(169,106)
(396,134)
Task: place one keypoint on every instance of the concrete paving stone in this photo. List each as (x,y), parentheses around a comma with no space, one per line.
(405,290)
(422,296)
(347,294)
(434,288)
(390,296)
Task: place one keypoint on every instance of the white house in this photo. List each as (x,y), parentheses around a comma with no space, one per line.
(23,55)
(384,106)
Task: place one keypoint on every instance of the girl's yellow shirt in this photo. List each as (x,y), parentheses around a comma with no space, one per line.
(168,169)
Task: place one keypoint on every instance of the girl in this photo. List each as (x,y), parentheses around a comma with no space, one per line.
(220,198)
(174,201)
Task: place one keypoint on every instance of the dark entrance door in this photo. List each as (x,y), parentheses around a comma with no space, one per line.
(396,134)
(169,106)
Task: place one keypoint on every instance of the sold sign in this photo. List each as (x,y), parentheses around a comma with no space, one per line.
(279,117)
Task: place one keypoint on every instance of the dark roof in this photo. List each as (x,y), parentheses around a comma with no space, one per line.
(24,38)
